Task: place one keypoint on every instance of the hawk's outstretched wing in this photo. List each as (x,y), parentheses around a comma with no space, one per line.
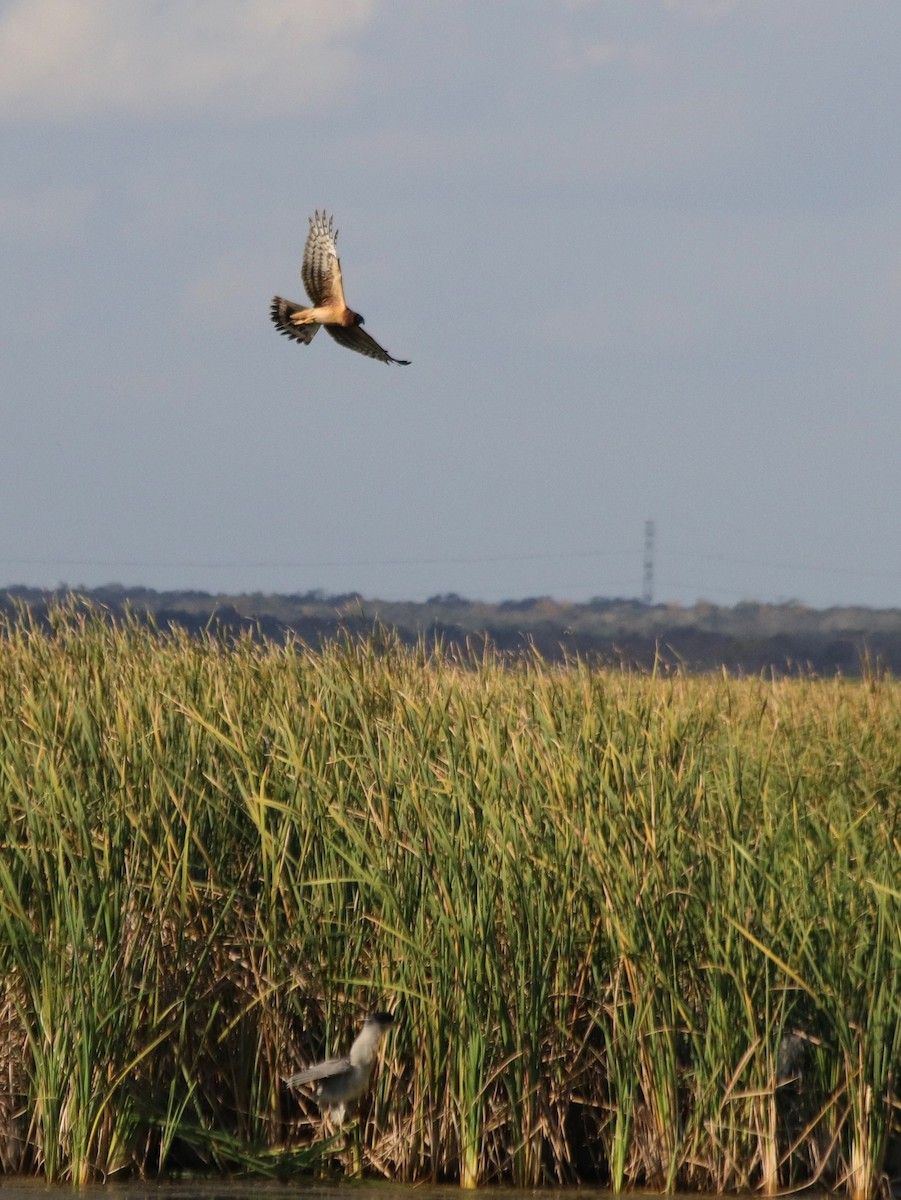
(321,270)
(355,338)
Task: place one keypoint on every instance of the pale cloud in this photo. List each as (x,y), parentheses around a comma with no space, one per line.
(62,59)
(230,288)
(49,215)
(705,10)
(573,53)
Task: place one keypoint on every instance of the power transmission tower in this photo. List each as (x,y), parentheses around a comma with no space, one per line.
(647,587)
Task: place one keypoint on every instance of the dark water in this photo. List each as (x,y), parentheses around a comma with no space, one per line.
(304,1189)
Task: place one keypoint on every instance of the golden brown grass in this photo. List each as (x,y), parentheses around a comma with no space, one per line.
(641,930)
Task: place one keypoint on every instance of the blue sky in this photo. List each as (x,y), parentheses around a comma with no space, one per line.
(645,258)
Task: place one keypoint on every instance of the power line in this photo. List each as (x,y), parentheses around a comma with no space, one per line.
(811,568)
(307,564)
(458,560)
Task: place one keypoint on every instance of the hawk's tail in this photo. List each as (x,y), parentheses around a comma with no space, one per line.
(281,311)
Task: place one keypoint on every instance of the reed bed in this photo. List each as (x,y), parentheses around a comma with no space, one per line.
(638,929)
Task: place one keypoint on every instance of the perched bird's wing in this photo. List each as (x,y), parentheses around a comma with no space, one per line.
(355,338)
(281,311)
(321,270)
(323,1070)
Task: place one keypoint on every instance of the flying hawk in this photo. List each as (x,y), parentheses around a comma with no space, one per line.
(321,274)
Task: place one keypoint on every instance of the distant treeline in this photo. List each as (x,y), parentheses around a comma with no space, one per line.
(745,639)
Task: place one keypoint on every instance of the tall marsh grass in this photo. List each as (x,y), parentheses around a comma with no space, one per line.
(639,930)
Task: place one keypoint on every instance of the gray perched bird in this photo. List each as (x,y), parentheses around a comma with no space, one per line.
(340,1082)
